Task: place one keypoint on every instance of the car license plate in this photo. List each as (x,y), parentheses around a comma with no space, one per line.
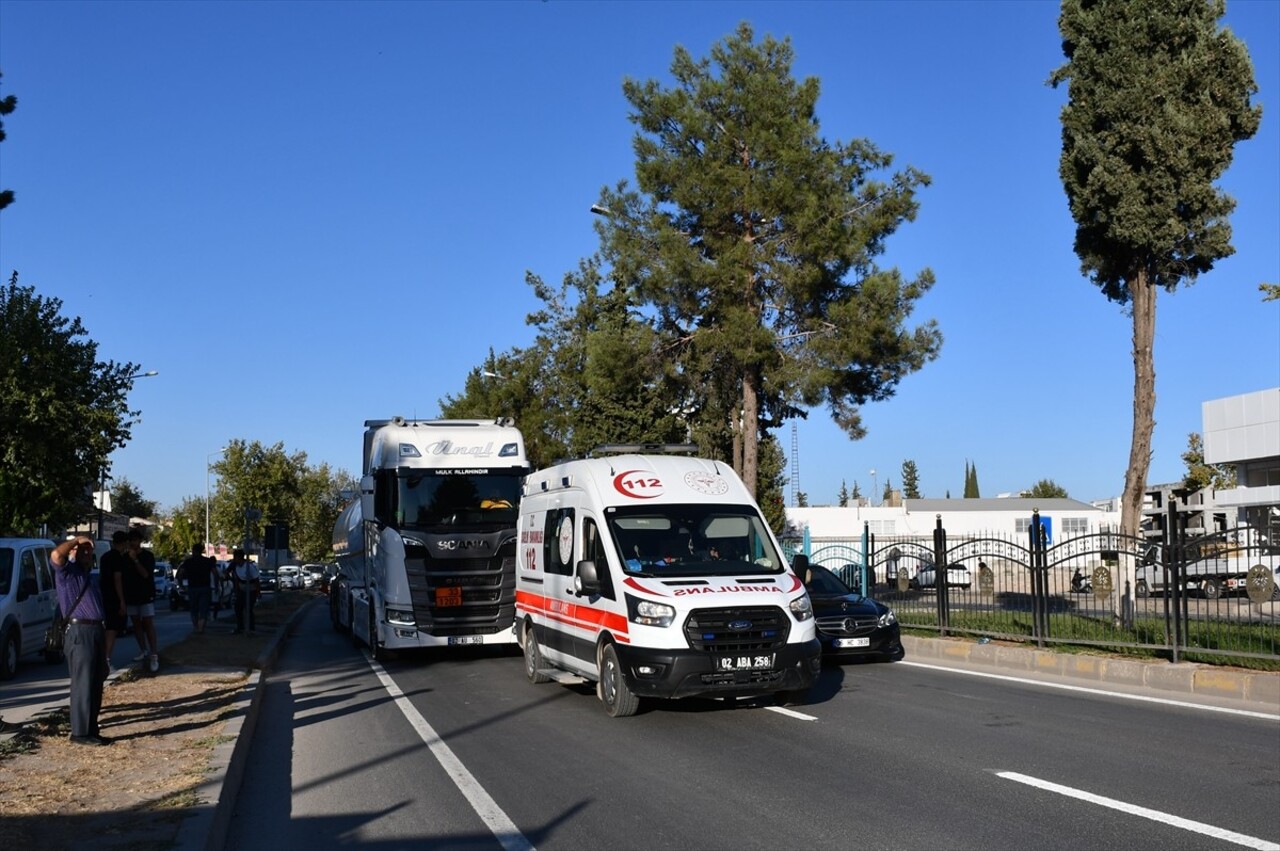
(466,639)
(745,663)
(853,642)
(449,596)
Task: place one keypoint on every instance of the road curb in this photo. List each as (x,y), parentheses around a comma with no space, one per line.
(1188,678)
(207,827)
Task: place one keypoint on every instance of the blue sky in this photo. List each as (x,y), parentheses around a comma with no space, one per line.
(306,215)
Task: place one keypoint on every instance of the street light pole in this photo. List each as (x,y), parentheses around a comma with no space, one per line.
(207,463)
(102,494)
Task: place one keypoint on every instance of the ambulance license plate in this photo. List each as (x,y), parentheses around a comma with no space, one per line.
(466,639)
(745,663)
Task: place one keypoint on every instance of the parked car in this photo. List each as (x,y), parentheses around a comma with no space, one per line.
(27,599)
(161,574)
(849,624)
(267,579)
(957,576)
(290,577)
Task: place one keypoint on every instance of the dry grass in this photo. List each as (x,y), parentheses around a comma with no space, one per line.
(55,795)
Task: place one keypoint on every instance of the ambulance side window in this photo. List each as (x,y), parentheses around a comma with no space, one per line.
(557,541)
(593,549)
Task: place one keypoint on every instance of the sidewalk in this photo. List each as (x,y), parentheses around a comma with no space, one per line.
(1187,680)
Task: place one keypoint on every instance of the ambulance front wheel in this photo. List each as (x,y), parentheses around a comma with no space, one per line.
(533,657)
(795,697)
(619,701)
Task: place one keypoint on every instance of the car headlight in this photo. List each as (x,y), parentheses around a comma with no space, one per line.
(888,618)
(400,617)
(649,613)
(802,608)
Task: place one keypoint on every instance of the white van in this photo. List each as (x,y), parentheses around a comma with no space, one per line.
(656,576)
(27,599)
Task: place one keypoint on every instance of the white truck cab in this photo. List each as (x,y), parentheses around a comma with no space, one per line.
(655,575)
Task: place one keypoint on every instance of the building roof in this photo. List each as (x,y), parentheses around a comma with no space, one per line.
(1018,504)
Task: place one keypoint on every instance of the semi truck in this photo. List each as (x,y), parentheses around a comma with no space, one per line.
(426,553)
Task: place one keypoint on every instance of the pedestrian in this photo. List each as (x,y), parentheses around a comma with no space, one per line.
(85,641)
(139,598)
(111,565)
(198,571)
(244,579)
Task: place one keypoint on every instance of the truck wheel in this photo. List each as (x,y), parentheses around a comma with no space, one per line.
(1212,588)
(619,701)
(8,655)
(533,657)
(1141,590)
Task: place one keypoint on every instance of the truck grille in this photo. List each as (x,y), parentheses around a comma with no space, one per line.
(480,592)
(737,630)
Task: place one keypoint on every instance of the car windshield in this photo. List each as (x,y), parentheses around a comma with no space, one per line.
(823,583)
(693,540)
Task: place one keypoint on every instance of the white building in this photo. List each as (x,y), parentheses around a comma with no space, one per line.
(1245,431)
(1004,518)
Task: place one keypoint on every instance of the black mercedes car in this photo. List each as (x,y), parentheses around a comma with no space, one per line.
(849,624)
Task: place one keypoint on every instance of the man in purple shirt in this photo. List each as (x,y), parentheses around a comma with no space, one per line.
(85,647)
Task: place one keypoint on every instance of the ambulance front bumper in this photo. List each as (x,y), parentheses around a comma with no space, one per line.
(666,673)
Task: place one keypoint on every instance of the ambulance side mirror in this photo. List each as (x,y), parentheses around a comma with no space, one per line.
(586,581)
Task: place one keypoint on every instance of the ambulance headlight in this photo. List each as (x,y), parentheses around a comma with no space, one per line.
(801,608)
(649,613)
(400,617)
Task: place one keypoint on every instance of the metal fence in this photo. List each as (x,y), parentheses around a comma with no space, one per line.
(1208,598)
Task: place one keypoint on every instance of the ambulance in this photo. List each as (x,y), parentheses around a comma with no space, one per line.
(654,575)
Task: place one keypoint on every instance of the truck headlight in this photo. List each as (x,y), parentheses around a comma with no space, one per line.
(400,617)
(801,608)
(649,613)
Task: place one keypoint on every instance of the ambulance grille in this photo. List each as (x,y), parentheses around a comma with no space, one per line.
(737,630)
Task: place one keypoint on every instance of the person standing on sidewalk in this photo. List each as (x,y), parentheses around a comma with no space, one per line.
(139,598)
(244,578)
(85,642)
(198,571)
(111,566)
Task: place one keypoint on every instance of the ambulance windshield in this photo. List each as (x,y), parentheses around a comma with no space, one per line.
(693,540)
(475,500)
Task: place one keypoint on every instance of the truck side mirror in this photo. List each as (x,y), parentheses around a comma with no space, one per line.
(586,580)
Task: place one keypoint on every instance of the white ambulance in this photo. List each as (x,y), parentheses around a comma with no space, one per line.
(655,575)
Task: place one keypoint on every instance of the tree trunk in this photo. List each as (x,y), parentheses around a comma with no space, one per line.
(1143,295)
(750,430)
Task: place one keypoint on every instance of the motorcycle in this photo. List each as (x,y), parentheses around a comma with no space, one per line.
(1080,583)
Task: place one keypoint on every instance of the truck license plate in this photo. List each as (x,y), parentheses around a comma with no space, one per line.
(744,663)
(466,639)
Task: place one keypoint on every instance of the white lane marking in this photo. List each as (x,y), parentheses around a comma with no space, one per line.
(1064,687)
(791,713)
(502,828)
(1155,815)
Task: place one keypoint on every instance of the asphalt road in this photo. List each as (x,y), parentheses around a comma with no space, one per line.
(461,751)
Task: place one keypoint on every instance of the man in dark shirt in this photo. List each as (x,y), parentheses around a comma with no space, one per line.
(81,602)
(198,571)
(139,598)
(111,565)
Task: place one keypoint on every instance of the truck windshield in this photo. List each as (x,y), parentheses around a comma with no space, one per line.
(430,500)
(693,540)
